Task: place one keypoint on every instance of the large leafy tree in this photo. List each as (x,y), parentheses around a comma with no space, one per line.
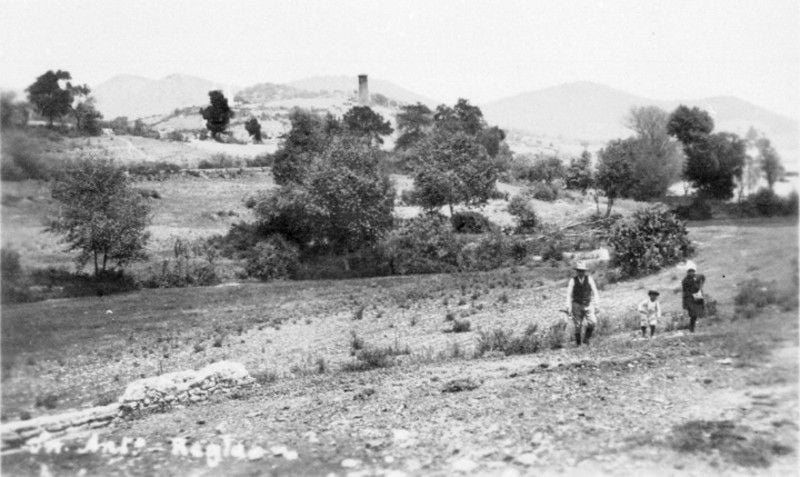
(658,158)
(100,215)
(454,168)
(87,118)
(714,162)
(414,121)
(218,114)
(50,99)
(462,117)
(341,203)
(363,121)
(769,161)
(615,170)
(307,138)
(579,175)
(689,124)
(253,128)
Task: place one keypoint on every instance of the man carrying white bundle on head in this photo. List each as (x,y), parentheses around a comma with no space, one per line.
(582,299)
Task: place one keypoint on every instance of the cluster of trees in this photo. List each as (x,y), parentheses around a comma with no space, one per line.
(454,156)
(54,97)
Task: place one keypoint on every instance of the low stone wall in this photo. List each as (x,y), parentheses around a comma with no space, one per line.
(145,395)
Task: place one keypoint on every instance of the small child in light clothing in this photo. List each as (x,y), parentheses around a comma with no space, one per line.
(649,312)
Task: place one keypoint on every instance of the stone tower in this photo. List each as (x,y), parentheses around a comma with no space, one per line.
(363,90)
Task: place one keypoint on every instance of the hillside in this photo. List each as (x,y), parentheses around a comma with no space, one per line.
(136,96)
(349,84)
(585,111)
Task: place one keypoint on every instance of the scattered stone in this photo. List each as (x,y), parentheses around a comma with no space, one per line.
(725,361)
(256,453)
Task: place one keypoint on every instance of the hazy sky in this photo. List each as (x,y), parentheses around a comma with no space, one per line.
(481,50)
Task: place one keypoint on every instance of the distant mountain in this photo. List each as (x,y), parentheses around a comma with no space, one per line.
(594,112)
(349,84)
(135,96)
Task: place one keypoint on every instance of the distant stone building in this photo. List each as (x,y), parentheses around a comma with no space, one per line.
(363,90)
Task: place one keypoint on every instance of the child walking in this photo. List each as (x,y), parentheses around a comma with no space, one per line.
(649,312)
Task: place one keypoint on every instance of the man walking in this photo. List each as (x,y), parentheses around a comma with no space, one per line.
(582,298)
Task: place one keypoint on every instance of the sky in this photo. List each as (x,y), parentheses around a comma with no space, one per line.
(443,49)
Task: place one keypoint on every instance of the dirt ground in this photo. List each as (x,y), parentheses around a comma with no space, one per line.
(720,401)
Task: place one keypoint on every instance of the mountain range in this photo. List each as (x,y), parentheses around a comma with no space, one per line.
(579,111)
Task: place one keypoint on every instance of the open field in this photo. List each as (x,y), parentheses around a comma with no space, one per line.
(620,407)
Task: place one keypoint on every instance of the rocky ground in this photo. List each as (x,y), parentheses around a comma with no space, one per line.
(720,401)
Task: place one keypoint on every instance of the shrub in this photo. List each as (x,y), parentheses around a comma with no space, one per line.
(274,258)
(648,241)
(192,264)
(424,244)
(556,335)
(754,295)
(221,161)
(469,222)
(521,208)
(544,191)
(264,160)
(461,326)
(699,209)
(505,342)
(766,203)
(9,264)
(22,157)
(490,252)
(154,168)
(239,241)
(371,357)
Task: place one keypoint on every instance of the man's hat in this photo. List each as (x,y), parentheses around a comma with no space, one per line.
(580,265)
(653,292)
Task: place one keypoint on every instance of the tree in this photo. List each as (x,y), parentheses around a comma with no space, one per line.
(87,118)
(453,168)
(253,128)
(491,138)
(462,117)
(714,164)
(658,159)
(342,203)
(689,124)
(308,136)
(615,176)
(547,169)
(414,121)
(218,115)
(363,121)
(12,113)
(50,99)
(579,174)
(769,161)
(101,215)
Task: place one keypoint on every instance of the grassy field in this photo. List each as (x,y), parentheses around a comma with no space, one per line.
(85,350)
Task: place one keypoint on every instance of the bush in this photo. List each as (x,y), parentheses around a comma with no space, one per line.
(508,344)
(754,295)
(371,357)
(424,244)
(470,222)
(154,168)
(9,264)
(544,191)
(220,161)
(521,208)
(192,265)
(461,326)
(490,252)
(699,209)
(239,241)
(556,335)
(274,258)
(766,203)
(648,241)
(22,157)
(265,160)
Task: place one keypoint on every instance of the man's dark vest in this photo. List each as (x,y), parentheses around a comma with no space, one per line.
(581,292)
